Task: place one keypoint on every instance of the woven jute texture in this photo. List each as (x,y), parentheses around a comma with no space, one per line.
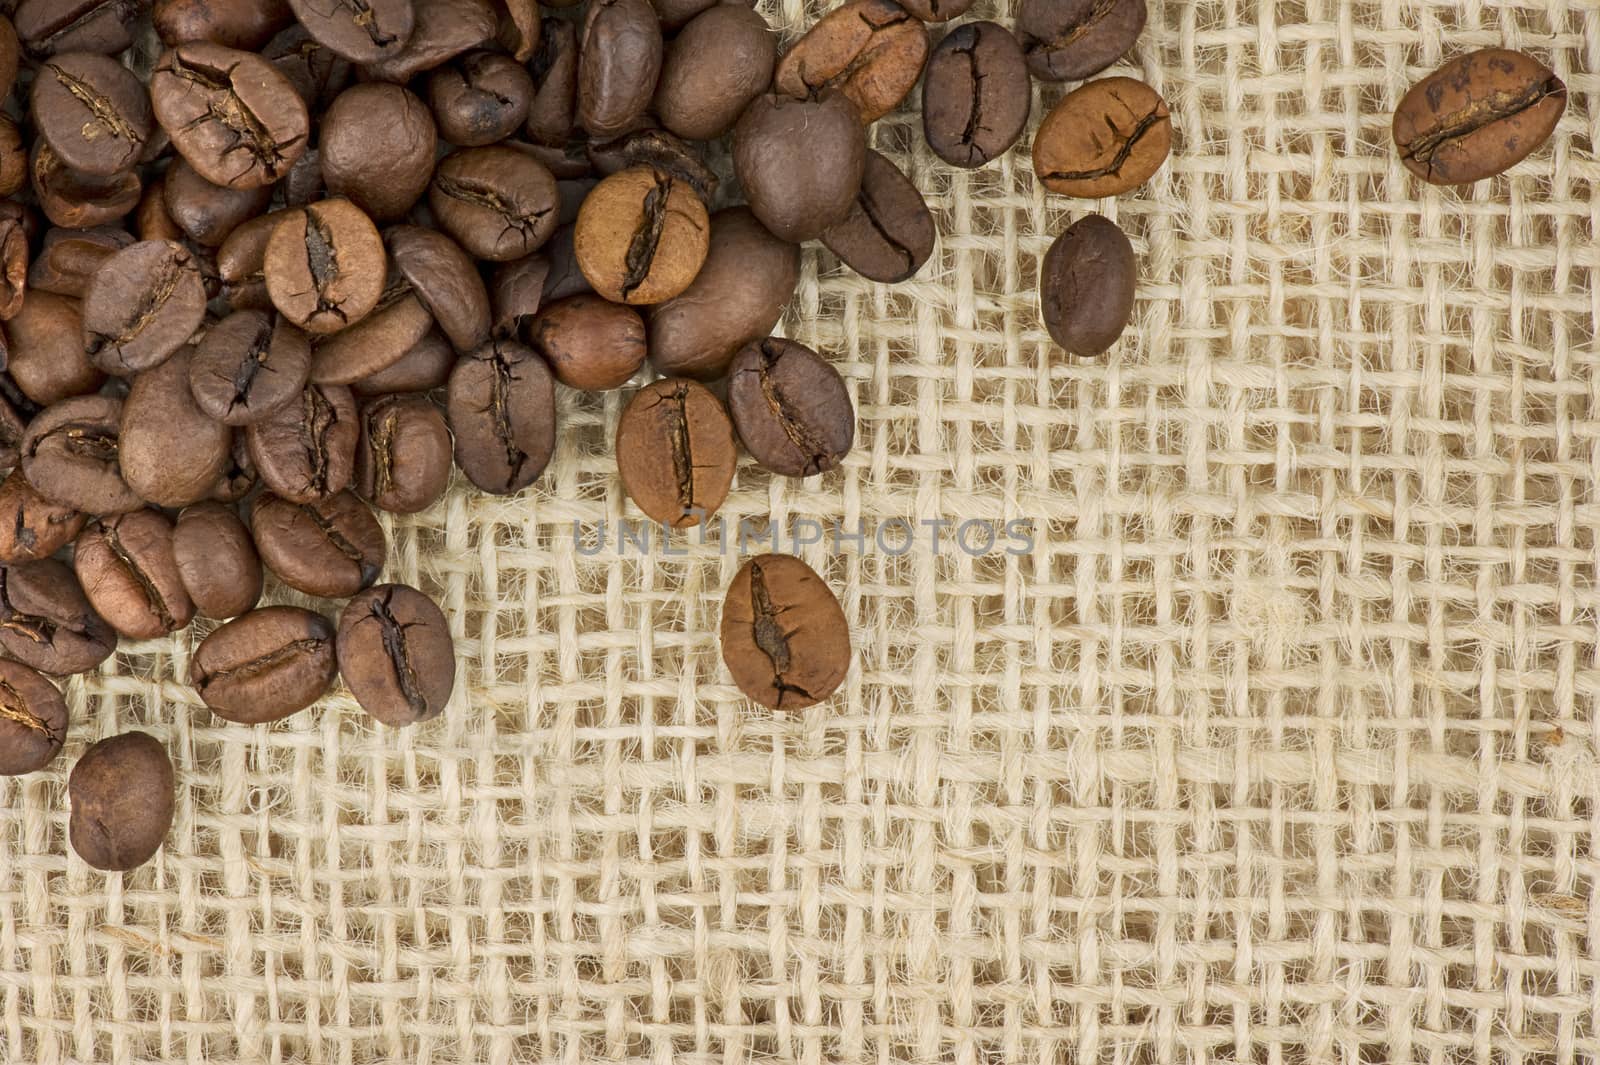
(1279,746)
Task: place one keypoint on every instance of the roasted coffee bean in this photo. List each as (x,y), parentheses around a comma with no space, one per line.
(501,408)
(589,343)
(784,636)
(641,236)
(446,280)
(498,202)
(247,24)
(122,793)
(790,407)
(13,266)
(482,98)
(619,60)
(564,278)
(1477,116)
(378,148)
(1069,40)
(247,366)
(46,621)
(332,548)
(171,451)
(748,278)
(232,114)
(239,479)
(208,213)
(70,454)
(317,73)
(241,264)
(976,96)
(70,199)
(519,28)
(872,51)
(800,161)
(93,110)
(676,14)
(396,654)
(265,665)
(1086,286)
(403,460)
(14,166)
(304,185)
(70,257)
(553,108)
(654,148)
(31,526)
(444,30)
(937,10)
(889,233)
(425,367)
(10,56)
(15,413)
(216,560)
(49,27)
(47,359)
(325,266)
(362,31)
(566,162)
(1103,139)
(151,219)
(377,341)
(305,450)
(33,720)
(517,293)
(126,566)
(675,452)
(143,304)
(716,65)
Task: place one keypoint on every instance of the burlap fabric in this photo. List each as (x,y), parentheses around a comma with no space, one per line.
(1278,747)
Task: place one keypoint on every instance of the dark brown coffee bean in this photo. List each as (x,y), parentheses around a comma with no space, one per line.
(49,27)
(239,479)
(425,367)
(888,234)
(748,278)
(304,185)
(377,341)
(444,30)
(784,636)
(70,257)
(241,264)
(1477,116)
(47,359)
(589,343)
(378,148)
(207,213)
(143,304)
(317,73)
(641,236)
(1069,40)
(446,280)
(654,148)
(791,408)
(14,166)
(564,278)
(396,654)
(1103,139)
(13,267)
(362,31)
(171,451)
(331,548)
(33,720)
(46,621)
(482,98)
(566,162)
(93,110)
(70,199)
(305,450)
(122,793)
(976,96)
(10,56)
(325,266)
(265,665)
(619,60)
(16,410)
(498,202)
(1086,286)
(247,24)
(517,293)
(800,161)
(216,560)
(232,114)
(519,28)
(247,366)
(31,526)
(70,454)
(937,10)
(553,109)
(126,566)
(872,51)
(675,452)
(151,219)
(403,460)
(501,408)
(716,65)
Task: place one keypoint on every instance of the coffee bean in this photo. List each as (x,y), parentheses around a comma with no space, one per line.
(31,526)
(126,566)
(446,280)
(519,28)
(305,450)
(396,654)
(216,560)
(50,27)
(143,304)
(73,200)
(151,220)
(800,161)
(501,408)
(553,109)
(93,110)
(171,451)
(13,267)
(70,454)
(122,802)
(498,202)
(325,266)
(247,366)
(872,51)
(517,293)
(16,410)
(564,278)
(232,114)
(482,98)
(332,548)
(239,479)
(713,68)
(48,361)
(304,185)
(444,30)
(590,343)
(641,236)
(265,665)
(676,14)
(33,720)
(748,278)
(1073,153)
(647,147)
(247,24)
(46,621)
(317,73)
(1477,116)
(360,30)
(566,162)
(10,56)
(1069,40)
(784,635)
(207,213)
(619,60)
(888,234)
(403,459)
(675,452)
(1086,286)
(425,367)
(791,408)
(378,148)
(377,341)
(241,264)
(976,97)
(14,165)
(937,10)
(69,258)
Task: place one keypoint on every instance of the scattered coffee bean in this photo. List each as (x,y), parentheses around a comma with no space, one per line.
(590,343)
(872,51)
(363,31)
(48,27)
(425,367)
(247,24)
(70,199)
(265,665)
(207,213)
(791,408)
(216,560)
(1073,153)
(937,10)
(247,366)
(170,451)
(1069,40)
(713,68)
(641,236)
(324,266)
(396,654)
(332,548)
(480,99)
(305,450)
(653,148)
(976,97)
(553,108)
(501,408)
(31,526)
(33,720)
(497,202)
(241,264)
(122,795)
(70,257)
(800,161)
(377,341)
(47,622)
(403,459)
(47,358)
(517,293)
(317,73)
(231,114)
(889,233)
(784,635)
(70,454)
(619,60)
(126,566)
(93,110)
(143,304)
(444,29)
(1086,286)
(675,452)
(378,148)
(445,280)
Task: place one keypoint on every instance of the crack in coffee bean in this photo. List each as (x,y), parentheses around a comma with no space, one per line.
(869,208)
(523,222)
(35,627)
(319,419)
(816,450)
(975,115)
(334,536)
(362,15)
(263,663)
(382,423)
(13,707)
(869,53)
(254,362)
(103,110)
(153,300)
(1076,31)
(322,260)
(152,594)
(769,635)
(646,235)
(242,124)
(399,654)
(1481,113)
(125,12)
(500,407)
(682,449)
(1143,126)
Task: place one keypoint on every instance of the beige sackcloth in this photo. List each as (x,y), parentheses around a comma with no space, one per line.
(1279,747)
